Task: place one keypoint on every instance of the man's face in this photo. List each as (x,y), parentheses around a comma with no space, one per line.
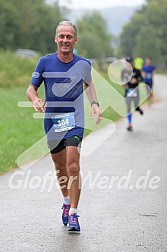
(148,62)
(65,39)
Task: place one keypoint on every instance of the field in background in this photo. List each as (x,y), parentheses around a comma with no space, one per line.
(18,129)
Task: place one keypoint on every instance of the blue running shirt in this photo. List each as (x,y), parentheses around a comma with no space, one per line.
(148,73)
(64,115)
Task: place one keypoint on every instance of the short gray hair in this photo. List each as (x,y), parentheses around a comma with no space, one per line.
(68,23)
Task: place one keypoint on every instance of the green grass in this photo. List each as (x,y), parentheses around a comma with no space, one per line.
(162,72)
(18,128)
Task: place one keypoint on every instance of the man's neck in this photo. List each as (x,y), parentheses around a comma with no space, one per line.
(65,57)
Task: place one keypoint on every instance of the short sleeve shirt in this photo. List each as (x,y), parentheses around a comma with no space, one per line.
(63,84)
(148,70)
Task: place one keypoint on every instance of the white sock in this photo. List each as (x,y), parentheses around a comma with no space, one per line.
(67,200)
(72,210)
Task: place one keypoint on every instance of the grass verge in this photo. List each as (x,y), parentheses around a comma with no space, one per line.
(18,128)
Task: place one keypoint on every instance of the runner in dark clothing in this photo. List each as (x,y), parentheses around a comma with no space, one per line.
(133,77)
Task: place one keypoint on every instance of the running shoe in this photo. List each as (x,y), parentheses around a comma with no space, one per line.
(73,224)
(129,128)
(140,110)
(65,214)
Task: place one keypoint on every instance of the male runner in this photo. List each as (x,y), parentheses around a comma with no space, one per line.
(148,71)
(131,90)
(65,76)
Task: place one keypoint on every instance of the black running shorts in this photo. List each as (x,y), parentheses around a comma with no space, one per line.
(56,146)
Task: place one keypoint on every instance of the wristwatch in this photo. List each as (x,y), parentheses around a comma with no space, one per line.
(95,102)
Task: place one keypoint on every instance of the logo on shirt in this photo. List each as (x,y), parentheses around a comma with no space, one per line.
(35,75)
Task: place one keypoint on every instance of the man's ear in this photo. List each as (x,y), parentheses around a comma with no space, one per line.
(55,39)
(76,40)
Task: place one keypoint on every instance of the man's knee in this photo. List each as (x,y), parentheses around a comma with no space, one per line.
(73,167)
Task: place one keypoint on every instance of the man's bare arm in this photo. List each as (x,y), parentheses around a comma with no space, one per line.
(38,103)
(91,94)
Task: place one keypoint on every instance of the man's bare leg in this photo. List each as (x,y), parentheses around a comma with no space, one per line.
(73,167)
(59,160)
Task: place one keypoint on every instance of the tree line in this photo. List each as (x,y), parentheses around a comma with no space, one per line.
(31,24)
(28,24)
(146,33)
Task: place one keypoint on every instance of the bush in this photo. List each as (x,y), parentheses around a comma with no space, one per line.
(15,70)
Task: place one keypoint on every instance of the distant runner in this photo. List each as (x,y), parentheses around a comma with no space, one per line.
(148,71)
(131,90)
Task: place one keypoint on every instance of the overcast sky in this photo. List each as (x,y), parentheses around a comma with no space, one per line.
(96,4)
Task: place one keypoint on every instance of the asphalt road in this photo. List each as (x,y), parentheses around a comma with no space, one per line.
(123,205)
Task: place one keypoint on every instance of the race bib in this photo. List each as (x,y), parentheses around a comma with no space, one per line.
(148,76)
(131,92)
(63,122)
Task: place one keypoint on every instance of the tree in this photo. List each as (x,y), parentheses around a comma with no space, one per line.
(128,36)
(94,40)
(149,47)
(28,24)
(146,29)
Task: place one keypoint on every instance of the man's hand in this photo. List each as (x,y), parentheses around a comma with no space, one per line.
(39,105)
(95,110)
